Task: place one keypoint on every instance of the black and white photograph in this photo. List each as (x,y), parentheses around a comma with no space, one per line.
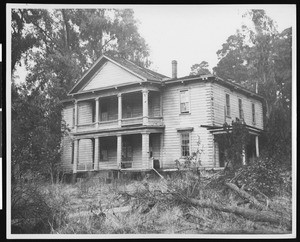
(151,121)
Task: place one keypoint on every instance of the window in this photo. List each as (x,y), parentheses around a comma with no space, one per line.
(126,151)
(104,155)
(72,153)
(184,101)
(227,105)
(185,144)
(253,113)
(241,115)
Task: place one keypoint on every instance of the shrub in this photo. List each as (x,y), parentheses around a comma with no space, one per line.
(37,210)
(262,175)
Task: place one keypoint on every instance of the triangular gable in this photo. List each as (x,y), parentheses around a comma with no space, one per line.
(110,75)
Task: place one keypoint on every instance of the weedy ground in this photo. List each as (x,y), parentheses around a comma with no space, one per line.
(149,206)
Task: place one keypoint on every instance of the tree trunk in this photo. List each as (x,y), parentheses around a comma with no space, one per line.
(246,195)
(257,216)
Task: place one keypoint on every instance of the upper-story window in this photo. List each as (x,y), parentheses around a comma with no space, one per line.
(227,105)
(184,101)
(241,115)
(253,114)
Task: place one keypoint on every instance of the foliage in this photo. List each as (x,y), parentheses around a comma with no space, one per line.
(200,69)
(57,46)
(37,211)
(234,141)
(257,55)
(262,175)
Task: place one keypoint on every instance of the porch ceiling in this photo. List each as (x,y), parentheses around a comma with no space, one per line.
(221,130)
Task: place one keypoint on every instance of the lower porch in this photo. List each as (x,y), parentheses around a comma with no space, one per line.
(119,152)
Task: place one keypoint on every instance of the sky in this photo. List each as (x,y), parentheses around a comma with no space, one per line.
(192,33)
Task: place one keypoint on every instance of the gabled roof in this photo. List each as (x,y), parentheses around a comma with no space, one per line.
(143,73)
(214,78)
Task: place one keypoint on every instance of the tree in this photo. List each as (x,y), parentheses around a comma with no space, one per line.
(258,55)
(200,69)
(60,45)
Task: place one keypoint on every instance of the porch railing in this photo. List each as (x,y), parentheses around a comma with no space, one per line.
(132,121)
(155,121)
(114,123)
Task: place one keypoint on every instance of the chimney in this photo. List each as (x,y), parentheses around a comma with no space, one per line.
(174,69)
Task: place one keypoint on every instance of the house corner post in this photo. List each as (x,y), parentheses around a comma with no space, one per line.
(96,155)
(97,112)
(145,94)
(256,146)
(119,150)
(145,151)
(119,109)
(75,163)
(76,115)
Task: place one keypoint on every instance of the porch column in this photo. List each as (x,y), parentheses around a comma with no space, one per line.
(97,112)
(256,146)
(76,115)
(120,109)
(244,156)
(145,106)
(161,104)
(76,153)
(119,150)
(145,150)
(96,155)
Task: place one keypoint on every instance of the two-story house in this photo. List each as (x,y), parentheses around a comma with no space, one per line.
(125,117)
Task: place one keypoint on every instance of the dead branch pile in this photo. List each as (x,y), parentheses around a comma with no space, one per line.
(168,192)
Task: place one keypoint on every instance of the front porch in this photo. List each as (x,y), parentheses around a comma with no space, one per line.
(136,151)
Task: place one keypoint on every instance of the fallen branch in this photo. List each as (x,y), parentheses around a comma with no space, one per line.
(246,195)
(256,216)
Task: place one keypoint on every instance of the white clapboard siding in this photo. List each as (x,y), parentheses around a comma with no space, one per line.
(85,112)
(200,114)
(155,145)
(154,105)
(136,141)
(85,153)
(219,93)
(67,115)
(109,75)
(67,154)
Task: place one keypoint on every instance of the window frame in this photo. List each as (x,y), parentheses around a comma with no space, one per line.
(227,105)
(188,101)
(184,145)
(253,113)
(241,111)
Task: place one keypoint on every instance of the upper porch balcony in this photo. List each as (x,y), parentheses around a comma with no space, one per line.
(127,109)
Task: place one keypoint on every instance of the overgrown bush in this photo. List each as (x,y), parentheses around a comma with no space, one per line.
(263,175)
(34,210)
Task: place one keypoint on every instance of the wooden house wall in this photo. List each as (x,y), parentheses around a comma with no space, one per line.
(200,114)
(85,153)
(219,102)
(154,104)
(67,115)
(85,112)
(67,154)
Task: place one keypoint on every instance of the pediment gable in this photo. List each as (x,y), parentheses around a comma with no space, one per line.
(110,75)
